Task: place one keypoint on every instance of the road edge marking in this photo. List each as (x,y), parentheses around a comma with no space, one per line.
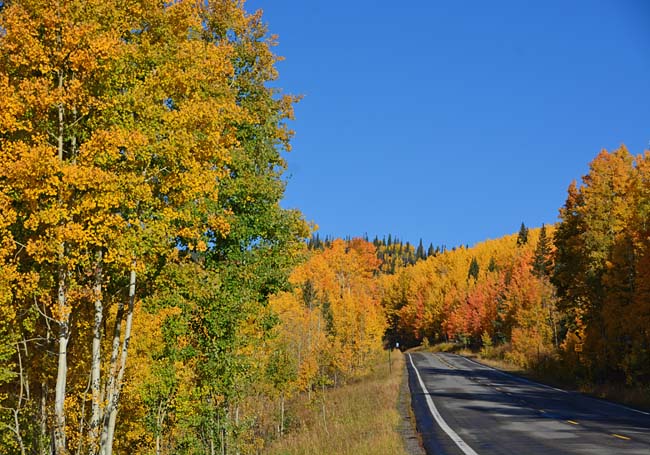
(462,445)
(515,377)
(528,381)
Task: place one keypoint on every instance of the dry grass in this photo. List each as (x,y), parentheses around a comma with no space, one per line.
(361,418)
(636,397)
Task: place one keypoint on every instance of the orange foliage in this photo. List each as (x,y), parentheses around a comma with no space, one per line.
(332,321)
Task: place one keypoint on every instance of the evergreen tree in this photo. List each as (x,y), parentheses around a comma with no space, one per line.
(431,251)
(492,266)
(522,237)
(328,316)
(542,263)
(309,294)
(473,269)
(420,253)
(315,242)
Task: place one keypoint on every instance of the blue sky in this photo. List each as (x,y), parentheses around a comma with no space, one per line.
(454,121)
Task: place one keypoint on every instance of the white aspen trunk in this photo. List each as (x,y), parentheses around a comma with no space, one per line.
(224,434)
(63,320)
(73,141)
(61,129)
(24,380)
(107,393)
(62,370)
(282,414)
(110,416)
(160,420)
(95,367)
(15,429)
(211,437)
(21,444)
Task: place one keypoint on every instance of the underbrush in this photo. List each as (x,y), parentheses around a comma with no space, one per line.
(358,418)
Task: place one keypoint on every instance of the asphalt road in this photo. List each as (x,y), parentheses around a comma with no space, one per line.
(468,409)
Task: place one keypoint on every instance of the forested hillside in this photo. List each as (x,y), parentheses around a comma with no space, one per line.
(575,294)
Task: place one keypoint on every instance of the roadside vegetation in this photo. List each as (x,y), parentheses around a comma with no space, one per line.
(356,419)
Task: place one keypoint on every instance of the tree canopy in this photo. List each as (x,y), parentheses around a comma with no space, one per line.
(139,140)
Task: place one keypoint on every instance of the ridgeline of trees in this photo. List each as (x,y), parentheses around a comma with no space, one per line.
(391,251)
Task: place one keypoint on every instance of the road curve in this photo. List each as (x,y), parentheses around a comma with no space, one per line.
(465,408)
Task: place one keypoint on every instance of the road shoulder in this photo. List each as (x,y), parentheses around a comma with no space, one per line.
(410,437)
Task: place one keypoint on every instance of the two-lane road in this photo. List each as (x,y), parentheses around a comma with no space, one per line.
(463,407)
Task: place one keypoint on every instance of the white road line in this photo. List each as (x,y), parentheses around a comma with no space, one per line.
(517,378)
(462,445)
(622,406)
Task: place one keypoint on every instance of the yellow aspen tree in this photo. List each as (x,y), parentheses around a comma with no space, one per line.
(637,320)
(121,118)
(595,256)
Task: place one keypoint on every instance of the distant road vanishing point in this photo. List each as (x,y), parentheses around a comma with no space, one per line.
(463,407)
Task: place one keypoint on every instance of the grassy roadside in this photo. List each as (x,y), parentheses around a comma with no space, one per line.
(360,418)
(637,397)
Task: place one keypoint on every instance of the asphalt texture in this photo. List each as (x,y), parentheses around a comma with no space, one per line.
(498,413)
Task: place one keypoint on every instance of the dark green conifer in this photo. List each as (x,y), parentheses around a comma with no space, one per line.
(522,237)
(542,262)
(473,269)
(420,253)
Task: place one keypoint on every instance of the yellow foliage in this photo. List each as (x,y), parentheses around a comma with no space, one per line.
(333,320)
